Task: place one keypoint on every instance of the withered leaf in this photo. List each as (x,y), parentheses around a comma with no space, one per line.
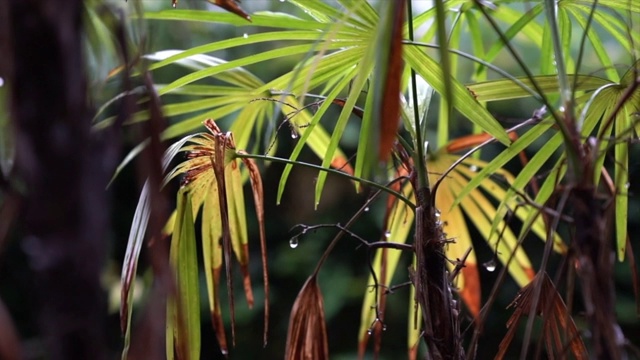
(559,332)
(307,335)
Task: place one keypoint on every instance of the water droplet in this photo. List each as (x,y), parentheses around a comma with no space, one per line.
(282,0)
(627,185)
(438,213)
(369,332)
(293,243)
(245,35)
(490,266)
(473,168)
(384,327)
(174,4)
(1,81)
(366,209)
(294,135)
(387,234)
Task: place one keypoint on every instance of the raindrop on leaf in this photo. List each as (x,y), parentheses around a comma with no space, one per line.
(473,168)
(245,35)
(387,234)
(490,265)
(293,243)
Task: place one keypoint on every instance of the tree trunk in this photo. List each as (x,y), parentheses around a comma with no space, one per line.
(63,170)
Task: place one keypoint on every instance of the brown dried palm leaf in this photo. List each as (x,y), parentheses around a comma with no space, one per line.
(559,332)
(307,336)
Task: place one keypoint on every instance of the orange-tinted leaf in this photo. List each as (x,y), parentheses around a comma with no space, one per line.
(307,335)
(359,112)
(469,141)
(390,105)
(231,6)
(466,142)
(470,294)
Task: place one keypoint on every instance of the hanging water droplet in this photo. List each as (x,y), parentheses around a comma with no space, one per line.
(245,35)
(282,0)
(627,185)
(473,168)
(384,327)
(366,209)
(438,213)
(293,243)
(1,81)
(490,266)
(294,135)
(174,4)
(387,234)
(369,332)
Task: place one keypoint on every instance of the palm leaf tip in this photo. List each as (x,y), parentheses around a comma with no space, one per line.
(232,6)
(307,335)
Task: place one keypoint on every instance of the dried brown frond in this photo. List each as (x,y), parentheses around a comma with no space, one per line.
(307,335)
(559,332)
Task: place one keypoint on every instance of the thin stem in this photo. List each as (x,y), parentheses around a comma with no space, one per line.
(563,81)
(487,64)
(446,99)
(585,34)
(419,154)
(375,185)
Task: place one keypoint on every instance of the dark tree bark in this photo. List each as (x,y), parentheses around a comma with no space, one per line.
(64,170)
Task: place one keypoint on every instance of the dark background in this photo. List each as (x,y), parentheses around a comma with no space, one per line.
(342,279)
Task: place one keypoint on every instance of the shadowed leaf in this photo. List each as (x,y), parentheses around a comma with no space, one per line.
(134,245)
(183,309)
(307,335)
(559,332)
